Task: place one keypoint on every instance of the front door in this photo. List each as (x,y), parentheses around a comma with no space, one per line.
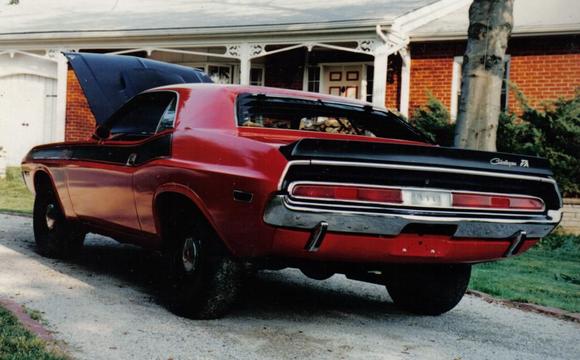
(344,80)
(101,180)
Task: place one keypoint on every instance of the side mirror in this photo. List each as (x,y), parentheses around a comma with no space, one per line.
(101,133)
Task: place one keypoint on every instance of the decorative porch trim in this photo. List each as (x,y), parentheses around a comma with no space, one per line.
(232,51)
(11,53)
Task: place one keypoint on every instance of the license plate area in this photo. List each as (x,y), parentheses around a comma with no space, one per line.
(426,198)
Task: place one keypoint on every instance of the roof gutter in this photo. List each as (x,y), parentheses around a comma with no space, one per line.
(252,30)
(462,35)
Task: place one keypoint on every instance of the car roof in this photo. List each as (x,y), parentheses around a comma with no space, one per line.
(242,89)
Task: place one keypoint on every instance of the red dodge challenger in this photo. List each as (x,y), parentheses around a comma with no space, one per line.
(217,177)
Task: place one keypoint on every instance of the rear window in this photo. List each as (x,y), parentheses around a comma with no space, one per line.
(258,110)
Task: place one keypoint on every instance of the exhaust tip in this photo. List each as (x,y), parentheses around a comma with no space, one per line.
(316,237)
(516,243)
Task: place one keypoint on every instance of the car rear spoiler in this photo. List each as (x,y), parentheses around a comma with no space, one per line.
(415,155)
(109,81)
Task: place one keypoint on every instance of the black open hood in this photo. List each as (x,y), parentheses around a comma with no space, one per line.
(109,81)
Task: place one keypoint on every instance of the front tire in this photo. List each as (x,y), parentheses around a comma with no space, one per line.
(55,236)
(427,289)
(205,282)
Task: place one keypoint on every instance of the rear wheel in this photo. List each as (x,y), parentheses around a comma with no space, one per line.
(55,236)
(427,289)
(205,281)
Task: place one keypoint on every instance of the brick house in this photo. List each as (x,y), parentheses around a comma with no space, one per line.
(391,53)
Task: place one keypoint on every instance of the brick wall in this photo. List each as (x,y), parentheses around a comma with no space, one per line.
(80,122)
(431,71)
(543,68)
(571,218)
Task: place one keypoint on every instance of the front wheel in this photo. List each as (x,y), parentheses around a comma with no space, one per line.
(427,289)
(55,236)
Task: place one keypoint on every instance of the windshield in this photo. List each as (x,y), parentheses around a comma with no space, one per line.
(259,110)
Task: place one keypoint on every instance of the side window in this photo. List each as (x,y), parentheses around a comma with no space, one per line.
(168,117)
(144,115)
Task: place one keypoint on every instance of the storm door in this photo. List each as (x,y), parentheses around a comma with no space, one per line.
(344,80)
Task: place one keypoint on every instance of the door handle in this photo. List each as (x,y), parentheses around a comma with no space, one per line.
(131,160)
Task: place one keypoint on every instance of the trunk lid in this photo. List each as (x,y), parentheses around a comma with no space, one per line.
(109,81)
(414,155)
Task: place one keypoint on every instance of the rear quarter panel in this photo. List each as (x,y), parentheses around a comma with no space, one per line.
(209,161)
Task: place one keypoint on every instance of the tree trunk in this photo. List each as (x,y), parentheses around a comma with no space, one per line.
(490,25)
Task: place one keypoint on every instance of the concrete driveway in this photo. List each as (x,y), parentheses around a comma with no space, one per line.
(105,306)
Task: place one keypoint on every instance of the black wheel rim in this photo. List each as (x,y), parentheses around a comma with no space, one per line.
(190,255)
(51,216)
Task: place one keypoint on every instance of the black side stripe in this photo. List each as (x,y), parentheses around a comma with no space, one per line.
(157,147)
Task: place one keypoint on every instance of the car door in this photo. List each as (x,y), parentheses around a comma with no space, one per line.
(100,176)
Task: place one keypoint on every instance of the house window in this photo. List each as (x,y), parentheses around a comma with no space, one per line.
(314,79)
(370,77)
(257,76)
(456,86)
(220,74)
(227,73)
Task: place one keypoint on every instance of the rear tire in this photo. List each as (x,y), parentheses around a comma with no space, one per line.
(55,236)
(205,282)
(427,289)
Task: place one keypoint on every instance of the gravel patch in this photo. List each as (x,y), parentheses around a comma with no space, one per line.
(107,305)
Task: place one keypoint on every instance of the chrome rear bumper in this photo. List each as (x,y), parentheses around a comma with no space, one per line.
(283,213)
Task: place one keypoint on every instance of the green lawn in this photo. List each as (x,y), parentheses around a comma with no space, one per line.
(14,196)
(17,343)
(543,275)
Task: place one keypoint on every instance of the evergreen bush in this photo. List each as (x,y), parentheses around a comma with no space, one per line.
(551,130)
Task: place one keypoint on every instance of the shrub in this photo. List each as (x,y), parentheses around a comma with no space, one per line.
(559,240)
(552,132)
(434,121)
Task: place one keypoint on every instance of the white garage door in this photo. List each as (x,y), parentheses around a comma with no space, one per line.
(27,111)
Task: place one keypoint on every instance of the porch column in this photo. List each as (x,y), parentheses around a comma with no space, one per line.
(405,82)
(245,64)
(380,75)
(58,128)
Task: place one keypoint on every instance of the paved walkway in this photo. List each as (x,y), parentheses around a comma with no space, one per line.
(104,306)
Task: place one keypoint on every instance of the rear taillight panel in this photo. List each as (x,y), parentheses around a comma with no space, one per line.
(415,197)
(348,193)
(498,202)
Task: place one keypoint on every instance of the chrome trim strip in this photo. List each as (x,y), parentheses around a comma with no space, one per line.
(442,212)
(297,183)
(285,171)
(434,219)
